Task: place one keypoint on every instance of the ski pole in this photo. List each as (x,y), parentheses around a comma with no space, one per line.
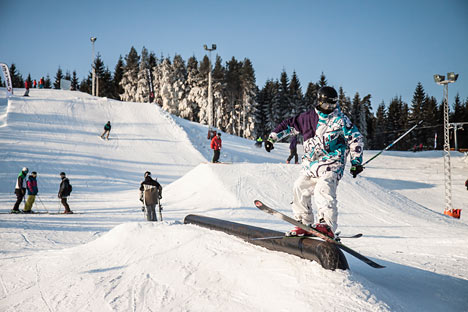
(43,204)
(393,143)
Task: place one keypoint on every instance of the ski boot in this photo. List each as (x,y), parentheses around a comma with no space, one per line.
(324,228)
(15,211)
(297,231)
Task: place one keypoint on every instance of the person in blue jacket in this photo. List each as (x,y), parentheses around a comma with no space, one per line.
(329,136)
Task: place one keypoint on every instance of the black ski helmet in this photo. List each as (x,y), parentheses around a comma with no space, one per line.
(147,173)
(327,99)
(62,173)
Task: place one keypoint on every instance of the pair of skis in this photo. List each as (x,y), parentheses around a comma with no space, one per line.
(318,234)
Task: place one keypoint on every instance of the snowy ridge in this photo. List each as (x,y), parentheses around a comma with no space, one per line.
(108,258)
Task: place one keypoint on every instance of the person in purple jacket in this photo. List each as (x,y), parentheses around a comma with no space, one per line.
(293,150)
(329,136)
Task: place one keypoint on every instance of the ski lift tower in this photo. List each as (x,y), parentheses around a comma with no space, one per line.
(440,80)
(210,96)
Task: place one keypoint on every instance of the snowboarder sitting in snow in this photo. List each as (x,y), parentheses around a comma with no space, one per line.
(216,145)
(150,195)
(31,186)
(20,189)
(107,129)
(329,136)
(65,191)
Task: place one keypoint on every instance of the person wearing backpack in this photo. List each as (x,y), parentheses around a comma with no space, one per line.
(20,189)
(64,191)
(31,186)
(150,195)
(107,129)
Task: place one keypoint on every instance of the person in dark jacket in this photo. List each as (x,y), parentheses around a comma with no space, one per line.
(32,188)
(107,129)
(293,150)
(64,192)
(216,145)
(20,189)
(150,195)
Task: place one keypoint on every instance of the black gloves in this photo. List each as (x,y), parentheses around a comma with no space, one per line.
(356,169)
(269,145)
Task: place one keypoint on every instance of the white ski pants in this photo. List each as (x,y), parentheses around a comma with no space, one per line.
(323,189)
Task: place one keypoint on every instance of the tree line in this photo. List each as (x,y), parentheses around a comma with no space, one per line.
(243,109)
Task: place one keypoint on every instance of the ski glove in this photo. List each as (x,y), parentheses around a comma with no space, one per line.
(269,145)
(356,169)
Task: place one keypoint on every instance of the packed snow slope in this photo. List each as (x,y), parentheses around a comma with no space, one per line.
(107,258)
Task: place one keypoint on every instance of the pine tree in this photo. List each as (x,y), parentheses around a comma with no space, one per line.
(67,75)
(219,97)
(74,81)
(295,94)
(104,85)
(47,82)
(323,81)
(117,89)
(129,80)
(16,78)
(284,97)
(311,95)
(249,103)
(58,77)
(190,111)
(380,139)
(345,102)
(233,95)
(429,115)
(142,92)
(179,84)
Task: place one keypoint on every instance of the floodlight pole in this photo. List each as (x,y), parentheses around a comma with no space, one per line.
(93,90)
(451,77)
(210,96)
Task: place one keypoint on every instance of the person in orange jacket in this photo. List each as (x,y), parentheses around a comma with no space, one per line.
(216,145)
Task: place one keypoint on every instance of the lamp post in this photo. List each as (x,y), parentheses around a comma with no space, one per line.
(210,97)
(440,80)
(93,90)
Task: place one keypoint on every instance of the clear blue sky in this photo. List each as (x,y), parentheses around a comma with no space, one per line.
(378,47)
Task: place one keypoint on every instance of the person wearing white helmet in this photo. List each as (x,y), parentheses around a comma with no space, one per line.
(20,189)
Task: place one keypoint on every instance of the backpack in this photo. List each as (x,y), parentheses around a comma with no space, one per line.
(70,188)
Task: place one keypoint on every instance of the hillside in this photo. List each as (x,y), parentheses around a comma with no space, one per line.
(107,257)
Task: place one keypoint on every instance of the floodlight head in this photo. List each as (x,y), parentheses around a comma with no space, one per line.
(452,77)
(92,39)
(213,46)
(439,78)
(205,47)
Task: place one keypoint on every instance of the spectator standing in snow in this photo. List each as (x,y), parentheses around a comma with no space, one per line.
(32,188)
(26,86)
(64,191)
(107,129)
(34,83)
(293,150)
(20,189)
(216,145)
(329,136)
(41,83)
(150,195)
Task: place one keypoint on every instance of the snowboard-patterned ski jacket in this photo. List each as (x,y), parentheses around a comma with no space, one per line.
(328,139)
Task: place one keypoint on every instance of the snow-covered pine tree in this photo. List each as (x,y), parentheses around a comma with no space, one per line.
(142,90)
(219,98)
(130,76)
(249,103)
(166,86)
(179,84)
(200,92)
(233,96)
(190,111)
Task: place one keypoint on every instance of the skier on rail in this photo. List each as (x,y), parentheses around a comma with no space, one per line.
(329,136)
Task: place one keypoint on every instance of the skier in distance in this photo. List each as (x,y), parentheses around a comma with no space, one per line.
(329,136)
